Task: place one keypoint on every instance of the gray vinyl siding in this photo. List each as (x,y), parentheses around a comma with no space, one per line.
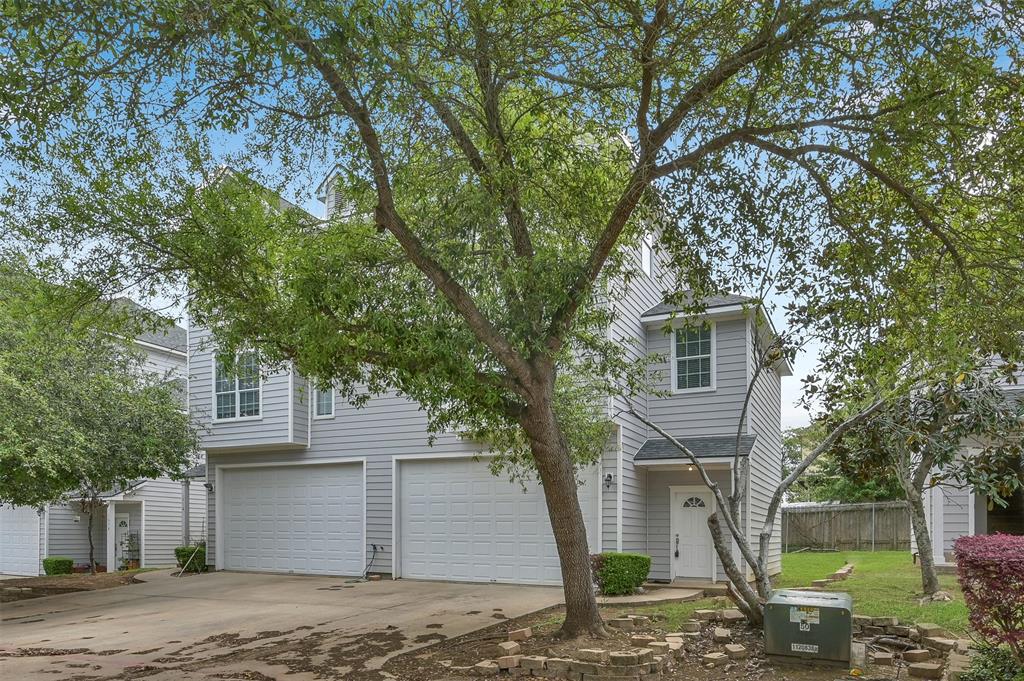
(165,363)
(659,522)
(65,537)
(277,415)
(765,420)
(631,300)
(955,517)
(197,510)
(697,413)
(162,501)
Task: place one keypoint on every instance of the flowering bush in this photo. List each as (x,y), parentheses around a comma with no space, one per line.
(991,572)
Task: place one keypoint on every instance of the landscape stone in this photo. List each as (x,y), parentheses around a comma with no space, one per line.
(884,621)
(926,670)
(690,626)
(874,631)
(821,582)
(675,647)
(508,648)
(929,629)
(732,615)
(898,631)
(963,645)
(708,615)
(881,658)
(917,655)
(644,656)
(640,620)
(692,635)
(520,634)
(557,665)
(622,658)
(674,638)
(623,623)
(722,635)
(658,647)
(641,641)
(862,620)
(592,655)
(485,668)
(508,661)
(715,659)
(532,662)
(583,667)
(735,651)
(939,643)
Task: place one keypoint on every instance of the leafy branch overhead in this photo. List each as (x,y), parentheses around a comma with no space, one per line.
(499,164)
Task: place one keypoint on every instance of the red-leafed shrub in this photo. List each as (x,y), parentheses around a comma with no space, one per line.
(991,572)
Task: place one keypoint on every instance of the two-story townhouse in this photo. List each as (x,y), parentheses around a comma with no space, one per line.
(304,482)
(144,521)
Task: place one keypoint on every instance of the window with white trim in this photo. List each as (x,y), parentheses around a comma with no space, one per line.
(237,387)
(323,402)
(694,365)
(647,254)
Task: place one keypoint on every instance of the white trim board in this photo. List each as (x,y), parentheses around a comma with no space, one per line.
(674,366)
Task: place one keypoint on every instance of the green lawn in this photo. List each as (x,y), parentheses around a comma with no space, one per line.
(883,583)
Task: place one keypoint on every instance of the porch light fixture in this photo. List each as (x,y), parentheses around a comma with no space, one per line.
(689,468)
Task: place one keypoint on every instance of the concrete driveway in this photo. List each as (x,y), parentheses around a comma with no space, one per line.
(229,625)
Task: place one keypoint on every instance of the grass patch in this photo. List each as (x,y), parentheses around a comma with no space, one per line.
(884,583)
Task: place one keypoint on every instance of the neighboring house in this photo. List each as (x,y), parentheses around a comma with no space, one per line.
(953,512)
(144,521)
(304,482)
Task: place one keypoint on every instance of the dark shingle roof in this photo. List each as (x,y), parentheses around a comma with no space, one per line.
(704,447)
(169,335)
(709,303)
(197,471)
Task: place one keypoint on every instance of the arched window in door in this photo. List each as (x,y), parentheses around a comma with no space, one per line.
(694,502)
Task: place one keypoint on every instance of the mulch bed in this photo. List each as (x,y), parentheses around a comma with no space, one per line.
(434,662)
(34,587)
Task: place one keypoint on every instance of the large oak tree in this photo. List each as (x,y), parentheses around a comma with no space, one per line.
(501,159)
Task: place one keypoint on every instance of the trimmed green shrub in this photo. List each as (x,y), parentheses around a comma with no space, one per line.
(184,553)
(992,663)
(618,574)
(58,565)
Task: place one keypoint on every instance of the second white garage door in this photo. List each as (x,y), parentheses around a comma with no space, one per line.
(19,541)
(301,519)
(458,522)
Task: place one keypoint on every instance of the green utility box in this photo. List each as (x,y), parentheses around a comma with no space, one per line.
(809,625)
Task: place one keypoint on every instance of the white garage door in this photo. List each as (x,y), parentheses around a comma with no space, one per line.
(302,519)
(19,541)
(458,522)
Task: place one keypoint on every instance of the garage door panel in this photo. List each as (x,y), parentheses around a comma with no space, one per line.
(303,519)
(504,530)
(19,541)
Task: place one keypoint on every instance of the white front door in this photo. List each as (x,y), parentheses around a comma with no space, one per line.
(691,550)
(122,528)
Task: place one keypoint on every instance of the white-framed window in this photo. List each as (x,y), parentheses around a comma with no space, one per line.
(693,358)
(647,254)
(323,403)
(236,387)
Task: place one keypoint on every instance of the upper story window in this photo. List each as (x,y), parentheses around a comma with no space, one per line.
(693,358)
(236,387)
(647,254)
(323,403)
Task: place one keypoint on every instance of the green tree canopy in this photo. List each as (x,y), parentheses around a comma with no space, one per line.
(503,160)
(78,415)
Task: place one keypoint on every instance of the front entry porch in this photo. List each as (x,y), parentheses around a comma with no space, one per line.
(125,536)
(678,538)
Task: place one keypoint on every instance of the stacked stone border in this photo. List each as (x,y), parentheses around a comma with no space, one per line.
(926,650)
(646,659)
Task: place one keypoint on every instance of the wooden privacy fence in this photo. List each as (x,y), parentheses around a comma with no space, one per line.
(882,526)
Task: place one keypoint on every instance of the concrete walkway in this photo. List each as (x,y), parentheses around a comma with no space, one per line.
(247,624)
(653,596)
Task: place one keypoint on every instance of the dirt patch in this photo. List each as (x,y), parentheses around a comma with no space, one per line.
(436,661)
(34,587)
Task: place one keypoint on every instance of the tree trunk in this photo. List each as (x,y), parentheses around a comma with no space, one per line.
(746,600)
(919,521)
(92,547)
(558,475)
